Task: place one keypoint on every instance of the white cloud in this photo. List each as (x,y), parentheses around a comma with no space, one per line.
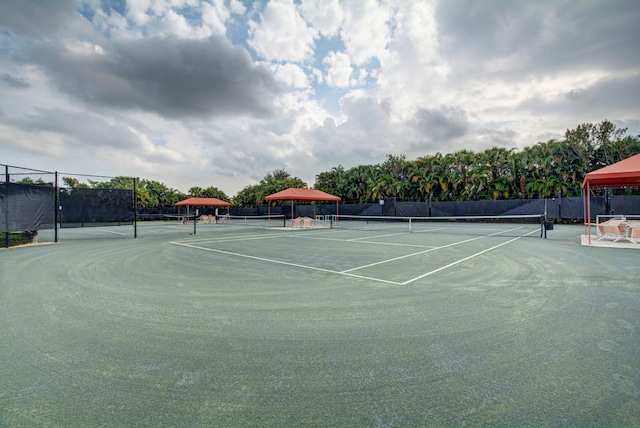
(282,34)
(326,16)
(365,30)
(412,71)
(214,16)
(219,92)
(339,69)
(292,75)
(137,11)
(236,7)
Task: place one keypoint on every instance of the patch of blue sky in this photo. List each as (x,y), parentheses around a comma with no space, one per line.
(191,14)
(323,46)
(236,33)
(329,97)
(86,10)
(110,6)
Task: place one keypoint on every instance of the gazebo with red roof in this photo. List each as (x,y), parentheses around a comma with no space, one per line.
(297,194)
(201,202)
(625,173)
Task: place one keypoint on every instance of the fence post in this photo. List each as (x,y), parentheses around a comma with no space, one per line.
(56,208)
(135,209)
(6,208)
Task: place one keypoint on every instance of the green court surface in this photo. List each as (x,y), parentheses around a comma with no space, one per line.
(245,326)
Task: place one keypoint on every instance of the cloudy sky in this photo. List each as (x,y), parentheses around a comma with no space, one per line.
(220,92)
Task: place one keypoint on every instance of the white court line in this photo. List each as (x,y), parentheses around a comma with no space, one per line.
(400,233)
(283,263)
(112,231)
(243,238)
(433,249)
(463,260)
(391,244)
(412,254)
(458,262)
(376,236)
(347,272)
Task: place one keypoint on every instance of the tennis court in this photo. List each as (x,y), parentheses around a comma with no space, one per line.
(379,325)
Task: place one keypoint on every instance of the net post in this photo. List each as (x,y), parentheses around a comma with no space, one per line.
(195,220)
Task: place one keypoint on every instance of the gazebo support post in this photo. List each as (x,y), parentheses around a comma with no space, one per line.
(589,211)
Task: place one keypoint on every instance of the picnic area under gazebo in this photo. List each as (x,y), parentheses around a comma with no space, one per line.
(306,195)
(621,229)
(202,202)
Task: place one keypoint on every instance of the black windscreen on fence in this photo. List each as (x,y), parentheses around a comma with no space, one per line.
(26,207)
(481,208)
(94,207)
(555,208)
(625,204)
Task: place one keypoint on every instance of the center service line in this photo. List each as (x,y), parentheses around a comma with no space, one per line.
(432,249)
(466,258)
(412,254)
(459,261)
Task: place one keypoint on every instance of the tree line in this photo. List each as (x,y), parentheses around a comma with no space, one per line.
(551,168)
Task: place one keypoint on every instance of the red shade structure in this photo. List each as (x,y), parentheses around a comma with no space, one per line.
(625,173)
(202,202)
(295,194)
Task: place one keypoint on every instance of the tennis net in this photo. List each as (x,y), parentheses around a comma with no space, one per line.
(274,220)
(512,226)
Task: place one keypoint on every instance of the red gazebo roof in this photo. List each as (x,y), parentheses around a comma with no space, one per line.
(203,202)
(296,194)
(620,174)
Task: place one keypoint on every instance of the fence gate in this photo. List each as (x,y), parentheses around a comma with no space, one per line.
(388,207)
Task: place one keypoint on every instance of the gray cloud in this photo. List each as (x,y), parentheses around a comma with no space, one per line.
(366,136)
(171,77)
(542,37)
(441,124)
(606,98)
(14,82)
(80,130)
(36,18)
(87,85)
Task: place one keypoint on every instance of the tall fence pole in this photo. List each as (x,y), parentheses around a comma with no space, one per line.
(135,209)
(56,208)
(6,208)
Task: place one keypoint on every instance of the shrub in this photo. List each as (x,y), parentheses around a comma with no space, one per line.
(18,238)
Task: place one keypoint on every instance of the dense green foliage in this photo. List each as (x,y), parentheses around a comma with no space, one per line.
(544,169)
(273,182)
(150,193)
